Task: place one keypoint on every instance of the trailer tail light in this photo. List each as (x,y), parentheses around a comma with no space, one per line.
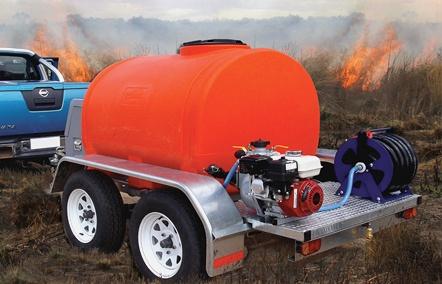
(409,213)
(228,259)
(308,248)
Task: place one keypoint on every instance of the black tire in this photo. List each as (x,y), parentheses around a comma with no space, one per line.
(110,223)
(175,207)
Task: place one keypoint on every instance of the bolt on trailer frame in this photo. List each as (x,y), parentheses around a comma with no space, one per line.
(225,220)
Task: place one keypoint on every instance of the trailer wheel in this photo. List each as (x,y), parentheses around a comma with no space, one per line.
(165,237)
(93,212)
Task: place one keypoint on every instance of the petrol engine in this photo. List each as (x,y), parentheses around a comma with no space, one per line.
(278,185)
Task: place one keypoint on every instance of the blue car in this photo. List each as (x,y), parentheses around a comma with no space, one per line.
(34,104)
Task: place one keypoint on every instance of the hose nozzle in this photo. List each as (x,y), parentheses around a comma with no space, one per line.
(360,167)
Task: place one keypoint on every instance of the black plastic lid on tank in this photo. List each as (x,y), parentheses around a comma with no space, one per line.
(213,41)
(216,41)
(260,143)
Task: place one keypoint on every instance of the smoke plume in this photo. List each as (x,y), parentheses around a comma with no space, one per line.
(85,45)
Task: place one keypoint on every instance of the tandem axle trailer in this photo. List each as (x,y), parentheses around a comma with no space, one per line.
(190,222)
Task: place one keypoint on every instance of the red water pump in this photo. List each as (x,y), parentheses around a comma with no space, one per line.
(305,198)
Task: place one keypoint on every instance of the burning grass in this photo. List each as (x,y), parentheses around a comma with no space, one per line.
(408,93)
(72,64)
(367,64)
(376,80)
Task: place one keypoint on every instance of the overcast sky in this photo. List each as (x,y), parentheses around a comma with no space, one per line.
(415,10)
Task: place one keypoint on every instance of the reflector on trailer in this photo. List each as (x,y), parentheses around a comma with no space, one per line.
(409,213)
(228,259)
(307,248)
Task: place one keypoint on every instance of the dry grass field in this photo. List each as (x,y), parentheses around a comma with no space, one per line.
(408,97)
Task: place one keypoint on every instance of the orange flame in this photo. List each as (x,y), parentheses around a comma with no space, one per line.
(72,64)
(368,64)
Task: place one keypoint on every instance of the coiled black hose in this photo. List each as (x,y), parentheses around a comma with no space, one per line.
(403,157)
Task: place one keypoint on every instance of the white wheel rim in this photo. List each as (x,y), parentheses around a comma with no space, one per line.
(82,216)
(160,245)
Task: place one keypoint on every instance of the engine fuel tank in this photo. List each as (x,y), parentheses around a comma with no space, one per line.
(186,111)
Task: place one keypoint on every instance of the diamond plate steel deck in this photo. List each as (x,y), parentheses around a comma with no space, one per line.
(356,212)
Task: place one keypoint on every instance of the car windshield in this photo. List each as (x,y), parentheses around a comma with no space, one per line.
(17,68)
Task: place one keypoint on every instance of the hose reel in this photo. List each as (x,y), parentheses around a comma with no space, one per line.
(390,162)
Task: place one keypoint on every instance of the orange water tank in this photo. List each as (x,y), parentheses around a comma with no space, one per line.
(186,111)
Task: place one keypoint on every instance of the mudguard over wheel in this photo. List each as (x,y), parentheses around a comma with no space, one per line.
(93,213)
(165,236)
